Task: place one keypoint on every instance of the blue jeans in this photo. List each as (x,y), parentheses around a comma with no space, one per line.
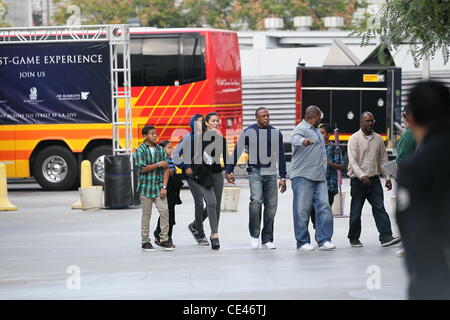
(374,194)
(263,190)
(310,194)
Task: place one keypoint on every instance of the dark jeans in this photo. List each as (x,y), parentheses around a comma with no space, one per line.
(171,207)
(263,190)
(313,212)
(374,194)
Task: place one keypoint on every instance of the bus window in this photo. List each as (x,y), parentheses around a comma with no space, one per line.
(159,62)
(193,60)
(166,60)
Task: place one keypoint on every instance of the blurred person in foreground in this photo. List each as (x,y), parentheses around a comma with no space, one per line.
(406,146)
(423,202)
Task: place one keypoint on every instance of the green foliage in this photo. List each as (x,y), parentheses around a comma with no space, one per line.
(3,12)
(227,14)
(217,14)
(422,23)
(98,11)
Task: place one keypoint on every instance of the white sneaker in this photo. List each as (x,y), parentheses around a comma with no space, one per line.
(269,245)
(306,247)
(327,245)
(254,243)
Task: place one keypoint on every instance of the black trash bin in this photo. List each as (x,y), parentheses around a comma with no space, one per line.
(136,195)
(118,189)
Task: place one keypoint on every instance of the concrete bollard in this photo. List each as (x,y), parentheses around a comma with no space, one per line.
(5,205)
(85,180)
(230,199)
(86,174)
(91,197)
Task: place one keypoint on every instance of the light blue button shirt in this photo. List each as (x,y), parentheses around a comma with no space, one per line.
(308,162)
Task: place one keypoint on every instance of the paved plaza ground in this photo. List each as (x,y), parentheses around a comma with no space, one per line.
(45,243)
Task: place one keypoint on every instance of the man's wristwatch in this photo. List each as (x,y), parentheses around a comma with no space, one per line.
(164,187)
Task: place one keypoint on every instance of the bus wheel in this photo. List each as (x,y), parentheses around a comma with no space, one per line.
(55,168)
(97,159)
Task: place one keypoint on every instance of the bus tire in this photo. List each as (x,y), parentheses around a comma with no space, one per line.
(56,168)
(96,157)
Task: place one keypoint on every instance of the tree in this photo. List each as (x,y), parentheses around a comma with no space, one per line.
(97,11)
(154,13)
(254,11)
(160,13)
(3,12)
(330,8)
(217,13)
(227,14)
(422,23)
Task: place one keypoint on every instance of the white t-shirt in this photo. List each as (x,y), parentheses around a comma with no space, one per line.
(152,150)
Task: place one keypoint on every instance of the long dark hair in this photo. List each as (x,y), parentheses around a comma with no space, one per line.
(206,119)
(164,143)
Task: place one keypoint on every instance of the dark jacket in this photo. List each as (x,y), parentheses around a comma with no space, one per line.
(423,216)
(251,141)
(174,186)
(214,146)
(189,153)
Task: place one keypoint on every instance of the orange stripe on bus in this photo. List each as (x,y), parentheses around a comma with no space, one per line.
(176,110)
(14,155)
(59,134)
(200,91)
(151,95)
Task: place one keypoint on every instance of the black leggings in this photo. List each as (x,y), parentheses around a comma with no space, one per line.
(171,221)
(212,196)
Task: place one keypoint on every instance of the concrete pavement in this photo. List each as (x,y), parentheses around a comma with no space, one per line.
(45,244)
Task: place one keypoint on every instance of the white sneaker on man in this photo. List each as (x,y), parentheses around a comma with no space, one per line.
(306,247)
(254,243)
(268,245)
(327,245)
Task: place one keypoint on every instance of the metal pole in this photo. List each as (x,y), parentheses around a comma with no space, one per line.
(339,175)
(426,67)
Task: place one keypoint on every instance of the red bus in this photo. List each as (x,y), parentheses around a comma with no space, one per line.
(175,73)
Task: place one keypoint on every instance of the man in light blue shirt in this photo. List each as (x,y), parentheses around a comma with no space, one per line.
(309,185)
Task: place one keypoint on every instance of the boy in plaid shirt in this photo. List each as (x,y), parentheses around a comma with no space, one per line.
(152,163)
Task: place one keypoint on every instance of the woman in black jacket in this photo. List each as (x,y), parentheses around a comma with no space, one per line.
(209,174)
(198,154)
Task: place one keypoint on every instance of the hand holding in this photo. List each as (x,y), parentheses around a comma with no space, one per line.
(230,177)
(163,164)
(282,186)
(388,184)
(365,180)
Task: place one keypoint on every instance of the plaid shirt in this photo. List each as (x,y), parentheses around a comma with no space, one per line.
(334,155)
(151,182)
